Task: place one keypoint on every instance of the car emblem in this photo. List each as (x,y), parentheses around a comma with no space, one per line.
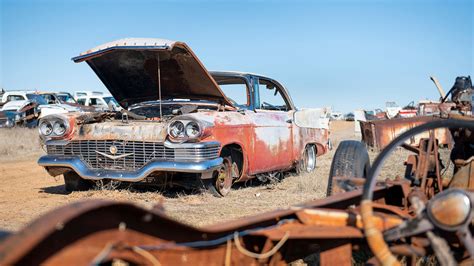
(113,149)
(114,157)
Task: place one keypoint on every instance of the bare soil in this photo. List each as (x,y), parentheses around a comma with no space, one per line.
(27,191)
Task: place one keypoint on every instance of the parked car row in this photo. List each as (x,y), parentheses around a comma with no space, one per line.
(25,108)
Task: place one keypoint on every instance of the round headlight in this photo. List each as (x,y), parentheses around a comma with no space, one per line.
(193,130)
(59,128)
(176,129)
(450,209)
(45,128)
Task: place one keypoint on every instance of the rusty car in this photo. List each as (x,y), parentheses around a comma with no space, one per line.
(22,113)
(420,219)
(179,122)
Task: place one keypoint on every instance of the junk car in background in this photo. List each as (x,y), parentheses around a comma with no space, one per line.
(19,113)
(99,101)
(183,124)
(44,107)
(65,99)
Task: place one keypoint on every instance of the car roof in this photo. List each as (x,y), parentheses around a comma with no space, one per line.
(236,73)
(248,74)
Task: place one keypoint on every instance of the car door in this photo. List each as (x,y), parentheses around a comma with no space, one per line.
(272,122)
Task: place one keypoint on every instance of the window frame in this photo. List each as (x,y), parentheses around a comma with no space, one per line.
(278,87)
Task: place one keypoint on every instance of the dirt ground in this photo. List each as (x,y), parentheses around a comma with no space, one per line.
(27,191)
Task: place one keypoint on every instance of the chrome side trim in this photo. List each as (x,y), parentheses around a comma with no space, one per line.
(76,164)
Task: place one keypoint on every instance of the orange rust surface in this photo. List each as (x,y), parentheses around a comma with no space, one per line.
(340,255)
(325,217)
(379,133)
(268,141)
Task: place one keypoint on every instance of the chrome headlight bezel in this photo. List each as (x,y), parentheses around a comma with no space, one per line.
(58,125)
(187,126)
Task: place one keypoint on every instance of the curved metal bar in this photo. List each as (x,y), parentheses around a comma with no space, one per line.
(376,167)
(76,164)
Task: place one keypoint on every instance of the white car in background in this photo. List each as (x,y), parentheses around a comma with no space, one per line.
(43,106)
(99,101)
(78,94)
(392,109)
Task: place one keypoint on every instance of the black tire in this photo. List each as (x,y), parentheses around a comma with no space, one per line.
(350,160)
(73,182)
(221,183)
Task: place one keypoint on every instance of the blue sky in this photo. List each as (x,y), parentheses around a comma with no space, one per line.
(344,54)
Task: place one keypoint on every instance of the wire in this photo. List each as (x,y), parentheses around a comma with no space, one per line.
(159,84)
(262,255)
(228,253)
(144,250)
(215,242)
(147,255)
(103,254)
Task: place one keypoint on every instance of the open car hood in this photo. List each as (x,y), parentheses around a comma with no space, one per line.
(129,70)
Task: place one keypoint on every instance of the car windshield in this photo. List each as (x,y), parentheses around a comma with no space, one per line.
(235,89)
(66,98)
(36,98)
(112,100)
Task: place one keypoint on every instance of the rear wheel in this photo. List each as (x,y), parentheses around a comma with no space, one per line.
(308,162)
(351,160)
(220,184)
(73,182)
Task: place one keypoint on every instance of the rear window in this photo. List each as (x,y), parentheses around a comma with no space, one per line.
(15,98)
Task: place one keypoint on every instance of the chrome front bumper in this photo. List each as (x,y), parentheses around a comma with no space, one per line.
(76,164)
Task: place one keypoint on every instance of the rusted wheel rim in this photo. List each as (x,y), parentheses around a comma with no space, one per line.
(224,178)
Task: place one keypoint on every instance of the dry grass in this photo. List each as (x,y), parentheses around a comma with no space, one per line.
(200,209)
(18,143)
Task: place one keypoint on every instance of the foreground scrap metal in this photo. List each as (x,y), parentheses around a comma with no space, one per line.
(180,124)
(424,165)
(377,133)
(385,222)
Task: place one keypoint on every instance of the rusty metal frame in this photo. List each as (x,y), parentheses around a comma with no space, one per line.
(377,134)
(100,231)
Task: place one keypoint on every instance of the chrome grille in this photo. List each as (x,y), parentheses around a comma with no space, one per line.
(140,153)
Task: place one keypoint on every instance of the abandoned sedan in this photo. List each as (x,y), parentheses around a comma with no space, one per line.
(180,123)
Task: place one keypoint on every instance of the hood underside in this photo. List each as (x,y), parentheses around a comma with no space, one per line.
(131,68)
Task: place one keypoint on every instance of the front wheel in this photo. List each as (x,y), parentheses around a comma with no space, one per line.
(221,182)
(73,182)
